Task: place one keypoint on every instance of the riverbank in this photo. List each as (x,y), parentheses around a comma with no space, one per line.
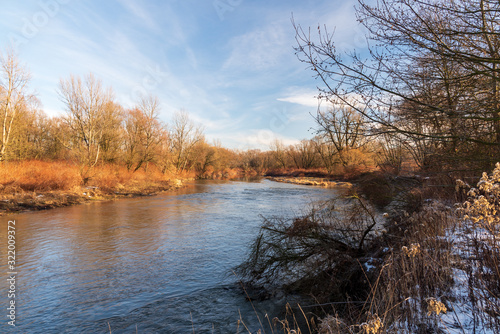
(38,185)
(311,181)
(429,267)
(19,201)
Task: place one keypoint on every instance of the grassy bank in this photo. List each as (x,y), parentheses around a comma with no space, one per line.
(38,185)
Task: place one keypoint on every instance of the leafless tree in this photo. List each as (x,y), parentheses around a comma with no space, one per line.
(14,97)
(87,118)
(185,134)
(112,136)
(435,62)
(303,154)
(278,150)
(327,153)
(143,133)
(343,128)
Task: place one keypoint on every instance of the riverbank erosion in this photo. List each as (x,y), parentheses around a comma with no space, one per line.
(38,185)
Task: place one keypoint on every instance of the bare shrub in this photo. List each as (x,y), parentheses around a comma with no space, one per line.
(319,254)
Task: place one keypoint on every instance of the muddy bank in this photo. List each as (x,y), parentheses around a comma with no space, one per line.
(15,199)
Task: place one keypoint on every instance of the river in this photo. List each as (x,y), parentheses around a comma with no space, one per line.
(157,264)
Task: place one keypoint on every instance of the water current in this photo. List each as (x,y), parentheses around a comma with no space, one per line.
(158,264)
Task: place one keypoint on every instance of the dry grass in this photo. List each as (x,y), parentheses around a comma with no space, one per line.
(38,176)
(417,268)
(38,185)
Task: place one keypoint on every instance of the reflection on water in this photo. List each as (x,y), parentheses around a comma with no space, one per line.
(157,264)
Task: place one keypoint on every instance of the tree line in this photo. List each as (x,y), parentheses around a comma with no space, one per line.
(425,93)
(95,129)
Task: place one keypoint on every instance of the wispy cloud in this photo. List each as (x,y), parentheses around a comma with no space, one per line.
(258,50)
(302,97)
(255,138)
(139,10)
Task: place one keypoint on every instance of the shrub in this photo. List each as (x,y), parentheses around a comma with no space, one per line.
(319,254)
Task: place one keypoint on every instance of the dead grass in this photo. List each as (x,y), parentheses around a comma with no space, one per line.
(38,176)
(35,185)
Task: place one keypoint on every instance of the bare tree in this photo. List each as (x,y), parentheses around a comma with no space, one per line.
(326,152)
(343,128)
(87,118)
(431,61)
(14,97)
(112,136)
(303,154)
(143,133)
(278,150)
(185,135)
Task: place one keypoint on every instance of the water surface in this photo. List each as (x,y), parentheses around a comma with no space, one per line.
(157,264)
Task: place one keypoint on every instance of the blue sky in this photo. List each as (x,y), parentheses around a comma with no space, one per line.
(229,63)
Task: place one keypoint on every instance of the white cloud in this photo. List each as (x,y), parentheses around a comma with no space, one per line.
(140,12)
(305,99)
(254,138)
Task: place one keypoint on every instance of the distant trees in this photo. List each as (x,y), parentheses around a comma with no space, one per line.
(341,142)
(327,153)
(303,154)
(143,133)
(343,128)
(431,75)
(279,152)
(111,140)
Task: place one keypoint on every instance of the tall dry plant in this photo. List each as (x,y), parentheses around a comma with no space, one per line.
(418,268)
(481,248)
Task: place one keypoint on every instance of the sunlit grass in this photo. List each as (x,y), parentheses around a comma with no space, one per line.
(34,184)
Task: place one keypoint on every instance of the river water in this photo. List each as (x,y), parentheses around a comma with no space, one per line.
(157,264)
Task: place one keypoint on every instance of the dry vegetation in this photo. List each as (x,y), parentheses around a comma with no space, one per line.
(424,268)
(41,185)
